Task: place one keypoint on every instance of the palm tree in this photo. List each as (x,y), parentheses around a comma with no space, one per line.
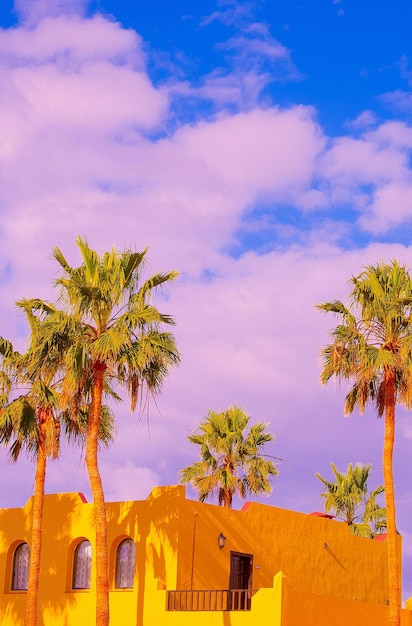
(31,422)
(348,498)
(372,349)
(232,459)
(108,331)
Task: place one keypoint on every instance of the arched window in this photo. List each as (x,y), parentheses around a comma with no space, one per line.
(125,560)
(20,575)
(82,565)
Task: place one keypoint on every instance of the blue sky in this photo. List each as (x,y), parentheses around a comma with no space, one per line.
(347,60)
(263,150)
(343,56)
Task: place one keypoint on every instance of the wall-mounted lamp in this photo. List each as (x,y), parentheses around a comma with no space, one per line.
(221,540)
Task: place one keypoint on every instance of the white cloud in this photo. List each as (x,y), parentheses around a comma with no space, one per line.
(98,97)
(68,41)
(249,47)
(399,100)
(32,11)
(392,134)
(363,120)
(263,151)
(75,159)
(391,205)
(240,88)
(235,14)
(127,481)
(371,174)
(359,161)
(254,48)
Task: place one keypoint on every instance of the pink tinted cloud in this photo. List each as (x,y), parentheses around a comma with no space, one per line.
(352,162)
(32,11)
(100,97)
(197,182)
(372,174)
(364,120)
(69,41)
(253,336)
(239,87)
(267,151)
(261,45)
(247,327)
(391,205)
(392,134)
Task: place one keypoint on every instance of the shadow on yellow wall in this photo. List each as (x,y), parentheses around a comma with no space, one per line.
(304,567)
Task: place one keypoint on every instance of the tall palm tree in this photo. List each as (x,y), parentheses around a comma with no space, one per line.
(348,498)
(232,459)
(108,330)
(372,349)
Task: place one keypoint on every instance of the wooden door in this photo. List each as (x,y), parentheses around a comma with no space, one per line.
(240,581)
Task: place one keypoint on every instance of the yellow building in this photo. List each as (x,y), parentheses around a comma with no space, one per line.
(177,562)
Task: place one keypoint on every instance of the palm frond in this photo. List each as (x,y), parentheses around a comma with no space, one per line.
(231,455)
(347,497)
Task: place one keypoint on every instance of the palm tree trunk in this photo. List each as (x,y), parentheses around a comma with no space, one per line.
(394,591)
(101,558)
(228,498)
(36,533)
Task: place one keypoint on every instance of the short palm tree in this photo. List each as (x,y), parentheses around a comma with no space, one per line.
(372,349)
(347,497)
(31,421)
(108,331)
(232,459)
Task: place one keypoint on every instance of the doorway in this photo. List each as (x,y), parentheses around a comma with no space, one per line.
(240,581)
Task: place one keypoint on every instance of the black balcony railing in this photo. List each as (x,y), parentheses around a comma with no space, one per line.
(209,600)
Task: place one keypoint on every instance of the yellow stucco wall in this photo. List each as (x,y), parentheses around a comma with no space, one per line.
(317,555)
(282,606)
(176,548)
(152,524)
(266,611)
(300,608)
